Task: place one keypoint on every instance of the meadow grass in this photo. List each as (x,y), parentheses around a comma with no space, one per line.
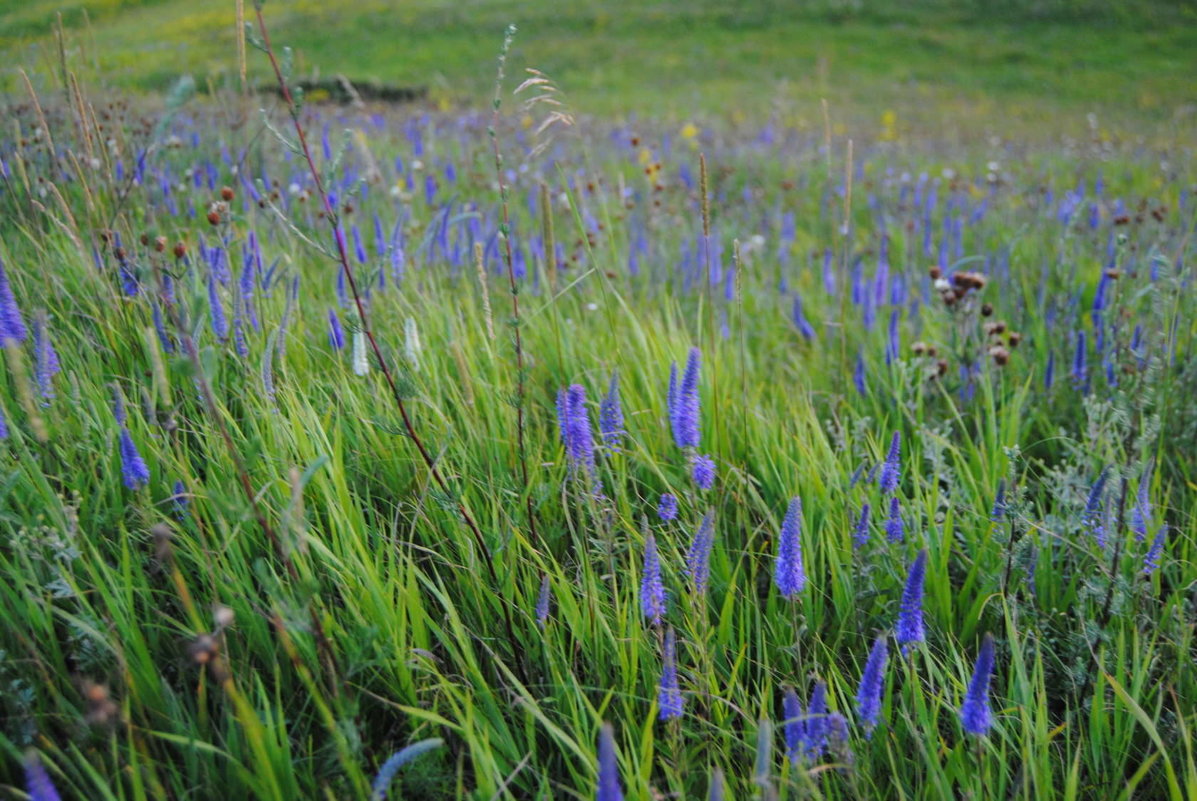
(290,598)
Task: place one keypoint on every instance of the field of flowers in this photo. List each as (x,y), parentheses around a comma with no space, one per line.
(383,452)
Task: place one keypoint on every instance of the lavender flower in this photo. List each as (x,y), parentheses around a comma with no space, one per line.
(46,358)
(37,780)
(542,602)
(703,471)
(179,499)
(800,322)
(858,374)
(336,334)
(860,534)
(1151,562)
(669,695)
(652,591)
(683,406)
(999,503)
(574,423)
(608,771)
(667,507)
(814,735)
(891,469)
(134,471)
(1078,361)
(220,324)
(975,715)
(794,726)
(910,614)
(1141,513)
(12,325)
(698,560)
(789,574)
(1091,517)
(894,529)
(390,769)
(611,415)
(872,684)
(3,426)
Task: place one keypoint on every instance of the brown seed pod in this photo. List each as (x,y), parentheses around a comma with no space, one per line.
(986,309)
(160,244)
(1000,355)
(180,250)
(203,649)
(226,193)
(935,272)
(1014,339)
(214,217)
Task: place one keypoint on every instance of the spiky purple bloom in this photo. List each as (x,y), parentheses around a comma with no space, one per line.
(872,684)
(220,323)
(800,322)
(574,422)
(611,415)
(179,499)
(1151,562)
(168,346)
(975,715)
(667,507)
(608,770)
(860,534)
(891,469)
(1049,372)
(670,703)
(652,590)
(894,529)
(543,599)
(910,612)
(12,324)
(683,406)
(37,780)
(1078,360)
(698,559)
(788,572)
(702,469)
(46,364)
(134,471)
(336,334)
(814,734)
(3,426)
(1141,513)
(999,502)
(1091,517)
(793,724)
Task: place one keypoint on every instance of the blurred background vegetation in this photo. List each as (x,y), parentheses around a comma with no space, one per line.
(1032,60)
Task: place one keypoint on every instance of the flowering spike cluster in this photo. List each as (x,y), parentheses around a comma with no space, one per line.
(891,472)
(894,529)
(794,725)
(179,499)
(814,734)
(910,614)
(608,770)
(1141,513)
(37,780)
(975,716)
(542,602)
(702,470)
(999,503)
(1091,517)
(698,560)
(336,334)
(1151,562)
(860,534)
(872,684)
(220,323)
(683,402)
(669,694)
(46,360)
(667,507)
(12,324)
(574,424)
(789,574)
(652,590)
(611,416)
(134,471)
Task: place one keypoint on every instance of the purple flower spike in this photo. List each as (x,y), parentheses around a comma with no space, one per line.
(669,694)
(608,770)
(894,529)
(667,507)
(698,560)
(37,780)
(872,684)
(611,416)
(789,574)
(652,590)
(910,615)
(891,470)
(703,471)
(683,406)
(975,715)
(12,324)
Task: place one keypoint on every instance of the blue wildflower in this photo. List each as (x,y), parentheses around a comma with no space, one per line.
(910,614)
(652,590)
(891,469)
(608,770)
(872,684)
(12,324)
(542,602)
(220,324)
(390,768)
(179,499)
(336,334)
(698,559)
(46,359)
(37,780)
(703,471)
(575,431)
(794,724)
(667,507)
(683,409)
(1151,562)
(894,528)
(1141,513)
(858,374)
(134,471)
(611,415)
(669,695)
(860,534)
(1091,516)
(999,502)
(789,574)
(975,715)
(800,322)
(814,734)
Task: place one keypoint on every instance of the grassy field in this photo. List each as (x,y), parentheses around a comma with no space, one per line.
(820,460)
(1026,61)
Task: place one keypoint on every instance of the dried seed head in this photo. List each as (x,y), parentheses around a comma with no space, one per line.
(160,244)
(223,616)
(919,348)
(226,193)
(203,649)
(163,541)
(213,217)
(1014,339)
(1000,355)
(935,273)
(180,250)
(986,309)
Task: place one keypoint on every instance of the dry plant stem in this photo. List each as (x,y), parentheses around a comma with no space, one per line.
(505,232)
(343,257)
(209,400)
